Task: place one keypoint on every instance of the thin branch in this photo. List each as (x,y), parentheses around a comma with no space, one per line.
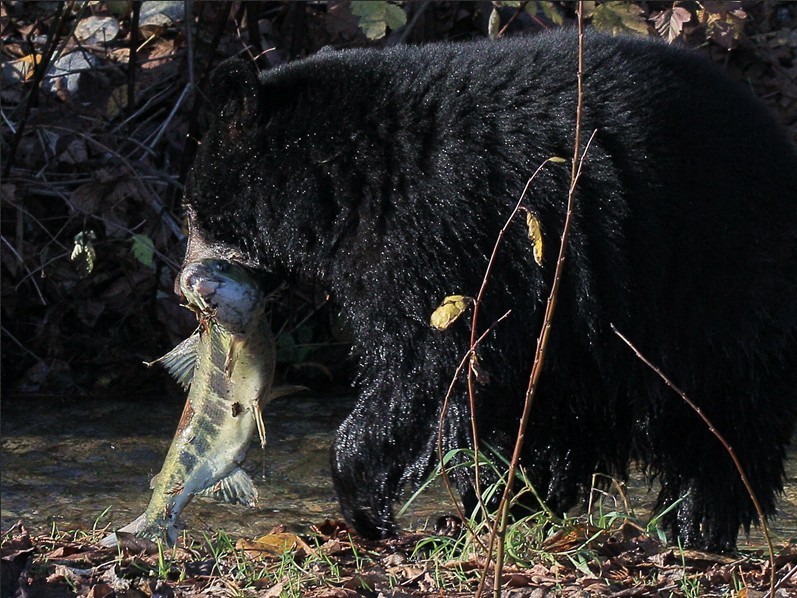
(512,19)
(7,332)
(474,326)
(418,10)
(499,529)
(151,197)
(132,59)
(466,359)
(162,129)
(21,261)
(40,67)
(728,448)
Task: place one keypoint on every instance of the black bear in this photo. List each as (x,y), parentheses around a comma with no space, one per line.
(386,176)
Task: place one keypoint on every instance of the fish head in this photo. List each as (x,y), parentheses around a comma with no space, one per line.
(224,292)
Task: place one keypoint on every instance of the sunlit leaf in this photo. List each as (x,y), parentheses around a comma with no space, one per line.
(724,21)
(143,249)
(21,69)
(535,236)
(549,9)
(273,544)
(97,30)
(376,16)
(494,24)
(557,160)
(449,310)
(83,254)
(618,17)
(65,74)
(395,17)
(670,23)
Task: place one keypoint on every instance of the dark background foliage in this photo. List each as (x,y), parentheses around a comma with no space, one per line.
(103,104)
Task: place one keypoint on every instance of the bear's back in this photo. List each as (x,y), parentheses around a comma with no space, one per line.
(688,178)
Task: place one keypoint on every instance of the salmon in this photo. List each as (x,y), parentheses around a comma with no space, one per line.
(228,367)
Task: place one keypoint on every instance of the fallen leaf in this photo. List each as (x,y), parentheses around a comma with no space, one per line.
(75,153)
(19,70)
(273,544)
(132,544)
(95,30)
(100,590)
(64,74)
(481,375)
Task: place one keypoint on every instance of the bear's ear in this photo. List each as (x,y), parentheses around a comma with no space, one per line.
(233,91)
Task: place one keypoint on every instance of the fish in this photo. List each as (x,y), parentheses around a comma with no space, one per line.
(227,366)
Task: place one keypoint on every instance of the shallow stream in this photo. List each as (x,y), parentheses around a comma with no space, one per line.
(74,463)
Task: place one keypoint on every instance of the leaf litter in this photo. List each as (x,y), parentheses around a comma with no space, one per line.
(331,561)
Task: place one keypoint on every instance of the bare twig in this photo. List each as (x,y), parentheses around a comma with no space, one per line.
(165,125)
(189,40)
(7,332)
(499,528)
(21,261)
(147,105)
(418,9)
(132,59)
(512,19)
(40,67)
(466,360)
(474,324)
(728,448)
(150,196)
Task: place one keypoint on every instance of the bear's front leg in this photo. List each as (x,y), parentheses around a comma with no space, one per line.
(365,495)
(384,443)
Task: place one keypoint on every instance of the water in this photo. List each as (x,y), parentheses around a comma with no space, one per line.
(65,462)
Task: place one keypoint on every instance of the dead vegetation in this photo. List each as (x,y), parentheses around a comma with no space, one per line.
(577,561)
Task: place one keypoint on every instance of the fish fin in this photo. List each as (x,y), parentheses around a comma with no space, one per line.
(181,361)
(143,527)
(154,481)
(135,526)
(261,425)
(236,488)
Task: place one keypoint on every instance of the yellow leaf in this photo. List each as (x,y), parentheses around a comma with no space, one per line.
(21,69)
(535,235)
(448,311)
(273,544)
(619,17)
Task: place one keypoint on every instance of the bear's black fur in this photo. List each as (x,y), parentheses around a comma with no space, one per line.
(387,175)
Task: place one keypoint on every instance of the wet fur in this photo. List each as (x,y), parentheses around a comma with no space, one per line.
(386,176)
